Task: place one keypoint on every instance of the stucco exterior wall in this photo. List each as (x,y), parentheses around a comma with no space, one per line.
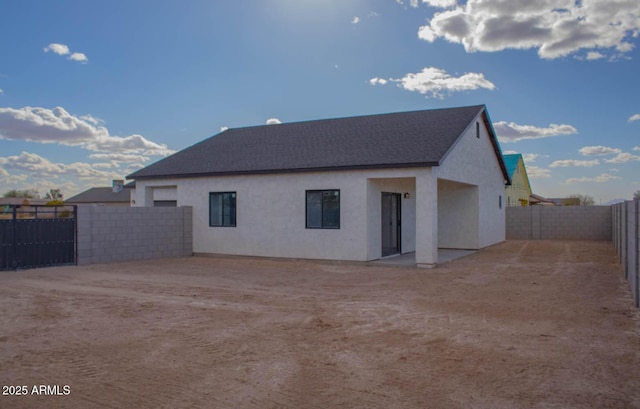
(473,161)
(457,215)
(375,187)
(271,213)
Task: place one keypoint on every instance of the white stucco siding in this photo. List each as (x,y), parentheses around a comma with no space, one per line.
(165,193)
(474,162)
(458,221)
(271,217)
(426,219)
(271,213)
(375,188)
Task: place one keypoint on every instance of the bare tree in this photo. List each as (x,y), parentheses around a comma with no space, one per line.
(584,200)
(54,194)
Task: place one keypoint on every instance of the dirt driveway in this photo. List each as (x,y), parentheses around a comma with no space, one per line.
(520,325)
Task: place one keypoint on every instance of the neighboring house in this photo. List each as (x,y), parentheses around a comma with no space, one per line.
(519,191)
(357,188)
(539,200)
(104,196)
(565,201)
(20,201)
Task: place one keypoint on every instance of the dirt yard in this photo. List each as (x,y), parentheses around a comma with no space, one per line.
(519,325)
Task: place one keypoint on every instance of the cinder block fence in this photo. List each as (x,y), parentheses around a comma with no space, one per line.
(108,234)
(626,240)
(558,223)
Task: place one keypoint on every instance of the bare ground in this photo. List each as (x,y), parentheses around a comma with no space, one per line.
(536,324)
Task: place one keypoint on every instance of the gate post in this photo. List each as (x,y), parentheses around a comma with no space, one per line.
(13,239)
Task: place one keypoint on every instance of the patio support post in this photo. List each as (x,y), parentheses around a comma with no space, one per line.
(426,220)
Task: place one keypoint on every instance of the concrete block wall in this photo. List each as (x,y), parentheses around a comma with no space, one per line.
(559,223)
(109,234)
(626,239)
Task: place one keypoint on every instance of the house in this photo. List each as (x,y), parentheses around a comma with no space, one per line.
(117,195)
(358,188)
(519,191)
(537,200)
(565,201)
(21,201)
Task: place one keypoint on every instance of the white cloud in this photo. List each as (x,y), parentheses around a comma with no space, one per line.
(273,121)
(37,166)
(594,55)
(531,157)
(623,157)
(1,91)
(635,117)
(413,3)
(78,57)
(60,49)
(119,157)
(556,28)
(355,20)
(598,150)
(105,165)
(512,132)
(636,148)
(535,172)
(570,163)
(605,177)
(441,3)
(223,128)
(63,49)
(9,180)
(376,80)
(432,3)
(435,82)
(56,125)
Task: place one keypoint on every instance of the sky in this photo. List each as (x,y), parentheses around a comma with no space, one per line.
(92,91)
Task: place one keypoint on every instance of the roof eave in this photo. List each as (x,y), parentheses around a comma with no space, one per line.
(281,171)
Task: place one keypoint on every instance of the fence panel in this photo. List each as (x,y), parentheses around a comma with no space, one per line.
(559,223)
(37,236)
(626,239)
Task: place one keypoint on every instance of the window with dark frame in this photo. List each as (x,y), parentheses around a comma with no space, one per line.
(477,129)
(322,209)
(222,209)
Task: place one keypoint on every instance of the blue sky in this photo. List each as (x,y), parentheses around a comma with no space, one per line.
(92,91)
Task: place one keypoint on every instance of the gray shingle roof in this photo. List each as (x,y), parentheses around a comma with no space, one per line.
(101,195)
(405,139)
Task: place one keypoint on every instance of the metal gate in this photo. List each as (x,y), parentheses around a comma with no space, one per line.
(37,236)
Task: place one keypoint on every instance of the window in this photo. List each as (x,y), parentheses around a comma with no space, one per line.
(222,209)
(323,209)
(500,202)
(477,129)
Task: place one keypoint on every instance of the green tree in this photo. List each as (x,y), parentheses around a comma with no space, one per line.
(54,194)
(25,194)
(584,200)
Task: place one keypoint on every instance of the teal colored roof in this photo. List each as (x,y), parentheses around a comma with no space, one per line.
(511,162)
